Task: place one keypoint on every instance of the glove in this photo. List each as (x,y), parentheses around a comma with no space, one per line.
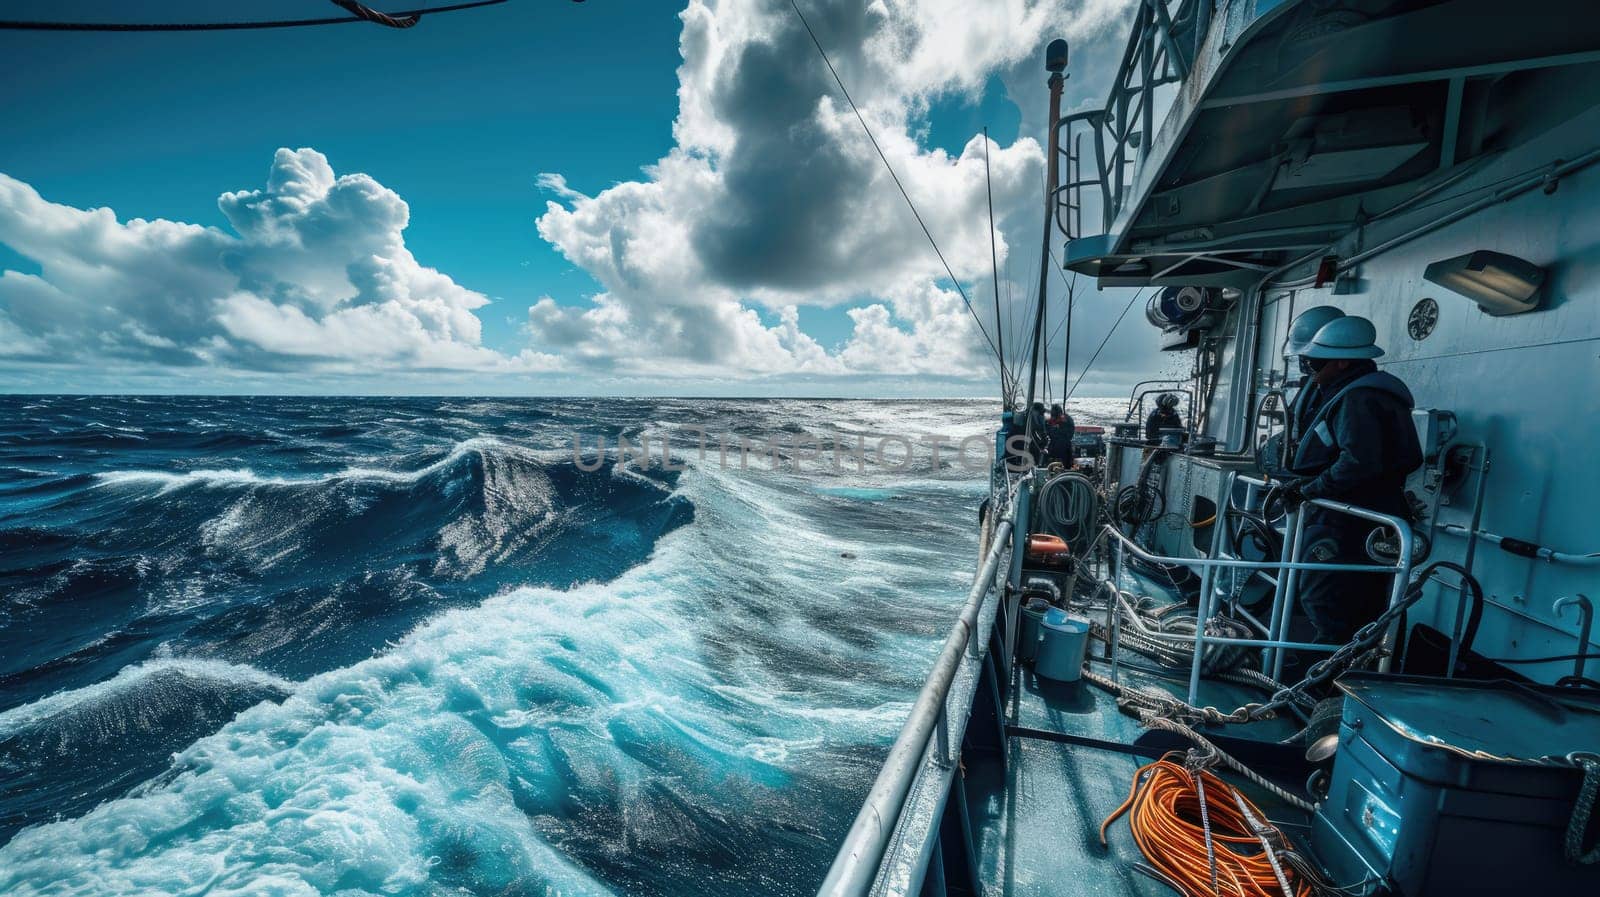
(1293,495)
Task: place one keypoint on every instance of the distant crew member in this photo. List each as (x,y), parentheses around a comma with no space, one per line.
(1358,447)
(1060,429)
(1164,417)
(1301,333)
(1015,444)
(1041,436)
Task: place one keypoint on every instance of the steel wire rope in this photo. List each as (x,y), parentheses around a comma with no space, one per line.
(1096,356)
(896,178)
(358,13)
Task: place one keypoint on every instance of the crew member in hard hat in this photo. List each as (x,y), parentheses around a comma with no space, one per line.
(1358,446)
(1041,434)
(1164,417)
(1301,333)
(1060,429)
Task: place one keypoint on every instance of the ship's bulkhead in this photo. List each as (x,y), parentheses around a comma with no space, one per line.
(1319,165)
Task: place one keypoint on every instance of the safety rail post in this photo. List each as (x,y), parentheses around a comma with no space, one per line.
(1207,600)
(1283,594)
(861,852)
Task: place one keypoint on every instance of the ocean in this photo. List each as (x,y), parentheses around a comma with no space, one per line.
(316,646)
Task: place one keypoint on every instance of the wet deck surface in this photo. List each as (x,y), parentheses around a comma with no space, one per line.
(1037,821)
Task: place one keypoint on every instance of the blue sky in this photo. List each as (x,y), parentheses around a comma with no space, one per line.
(459,117)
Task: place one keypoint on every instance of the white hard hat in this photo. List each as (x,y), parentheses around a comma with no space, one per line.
(1306,326)
(1350,336)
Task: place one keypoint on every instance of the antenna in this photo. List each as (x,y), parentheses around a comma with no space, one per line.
(1055,57)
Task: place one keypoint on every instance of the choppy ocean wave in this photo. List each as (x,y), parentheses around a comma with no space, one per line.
(303,646)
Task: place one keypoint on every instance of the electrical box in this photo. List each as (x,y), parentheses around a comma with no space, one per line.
(1427,798)
(1435,429)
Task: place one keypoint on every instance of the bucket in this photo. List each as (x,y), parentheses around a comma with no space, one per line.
(1028,631)
(1063,640)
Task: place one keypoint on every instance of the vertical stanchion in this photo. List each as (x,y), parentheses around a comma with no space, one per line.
(1283,596)
(1202,614)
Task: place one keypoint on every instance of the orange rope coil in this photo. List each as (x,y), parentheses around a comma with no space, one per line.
(1164,814)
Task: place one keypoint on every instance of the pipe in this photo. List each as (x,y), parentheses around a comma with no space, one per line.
(1466,563)
(861,852)
(1524,549)
(1585,625)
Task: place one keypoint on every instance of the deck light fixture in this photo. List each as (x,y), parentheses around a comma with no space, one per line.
(1501,284)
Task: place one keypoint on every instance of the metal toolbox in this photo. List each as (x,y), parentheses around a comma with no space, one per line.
(1453,787)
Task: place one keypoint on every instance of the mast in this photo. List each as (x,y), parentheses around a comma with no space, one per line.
(1055,61)
(994,266)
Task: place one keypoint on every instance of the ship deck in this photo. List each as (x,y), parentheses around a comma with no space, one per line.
(1071,759)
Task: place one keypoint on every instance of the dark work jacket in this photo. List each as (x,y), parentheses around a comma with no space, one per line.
(1161,419)
(1302,408)
(1041,436)
(1360,445)
(1060,434)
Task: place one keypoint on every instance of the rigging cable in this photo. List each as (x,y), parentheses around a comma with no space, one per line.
(1019,331)
(994,267)
(358,13)
(1066,345)
(362,11)
(1096,355)
(896,178)
(1008,289)
(1064,320)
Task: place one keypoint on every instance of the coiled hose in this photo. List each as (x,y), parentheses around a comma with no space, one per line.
(1069,507)
(1140,503)
(1204,836)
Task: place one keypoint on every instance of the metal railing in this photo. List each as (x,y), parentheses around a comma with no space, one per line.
(1161,48)
(861,853)
(1283,599)
(1143,389)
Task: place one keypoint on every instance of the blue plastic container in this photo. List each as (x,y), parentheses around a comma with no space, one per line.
(1063,640)
(1028,632)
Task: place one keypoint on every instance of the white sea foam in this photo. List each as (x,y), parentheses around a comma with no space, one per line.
(456,760)
(132,677)
(169,480)
(425,769)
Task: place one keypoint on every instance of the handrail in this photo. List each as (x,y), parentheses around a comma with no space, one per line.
(1159,51)
(1202,563)
(855,867)
(1277,641)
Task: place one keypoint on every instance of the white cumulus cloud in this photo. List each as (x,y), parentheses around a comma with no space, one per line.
(772,204)
(317,276)
(773,195)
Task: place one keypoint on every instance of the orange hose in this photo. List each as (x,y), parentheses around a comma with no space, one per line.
(1163,809)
